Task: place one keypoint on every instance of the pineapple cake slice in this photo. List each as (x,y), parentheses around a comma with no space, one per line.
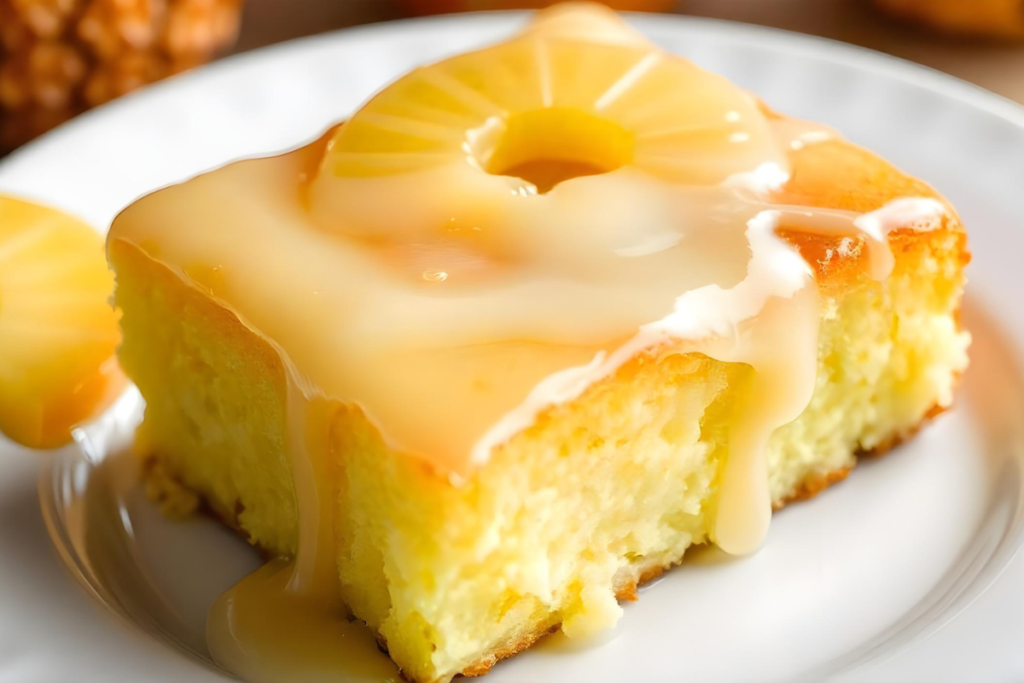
(505,344)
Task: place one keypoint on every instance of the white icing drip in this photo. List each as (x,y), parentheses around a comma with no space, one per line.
(920,214)
(775,269)
(708,319)
(693,317)
(766,178)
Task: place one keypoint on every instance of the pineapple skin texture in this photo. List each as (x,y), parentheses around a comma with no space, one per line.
(59,58)
(598,496)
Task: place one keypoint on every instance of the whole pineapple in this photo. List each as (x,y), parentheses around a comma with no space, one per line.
(60,57)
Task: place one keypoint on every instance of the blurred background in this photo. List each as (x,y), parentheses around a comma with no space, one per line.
(61,57)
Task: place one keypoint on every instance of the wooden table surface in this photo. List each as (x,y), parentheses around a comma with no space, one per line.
(996,66)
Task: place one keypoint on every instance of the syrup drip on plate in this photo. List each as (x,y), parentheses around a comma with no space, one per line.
(286,621)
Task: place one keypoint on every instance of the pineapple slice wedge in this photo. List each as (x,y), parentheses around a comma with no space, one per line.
(579,93)
(607,99)
(58,330)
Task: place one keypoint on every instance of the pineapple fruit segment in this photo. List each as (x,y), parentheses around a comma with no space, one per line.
(58,330)
(669,118)
(577,109)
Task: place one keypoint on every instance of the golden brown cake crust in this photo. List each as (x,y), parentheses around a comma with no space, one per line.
(177,501)
(508,650)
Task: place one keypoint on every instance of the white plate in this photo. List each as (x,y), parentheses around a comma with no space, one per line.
(904,572)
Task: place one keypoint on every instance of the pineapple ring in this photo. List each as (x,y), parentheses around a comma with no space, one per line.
(58,330)
(536,145)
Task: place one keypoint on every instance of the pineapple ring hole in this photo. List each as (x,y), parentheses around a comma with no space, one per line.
(546,147)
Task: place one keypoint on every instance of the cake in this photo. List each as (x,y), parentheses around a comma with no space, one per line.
(530,324)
